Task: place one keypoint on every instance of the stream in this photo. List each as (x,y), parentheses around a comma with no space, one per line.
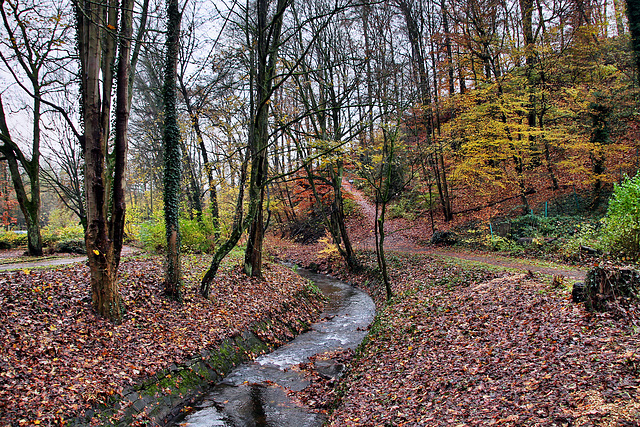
(253,395)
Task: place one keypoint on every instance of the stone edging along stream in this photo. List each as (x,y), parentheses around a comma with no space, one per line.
(161,398)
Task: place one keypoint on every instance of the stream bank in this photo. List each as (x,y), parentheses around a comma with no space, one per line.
(255,394)
(161,398)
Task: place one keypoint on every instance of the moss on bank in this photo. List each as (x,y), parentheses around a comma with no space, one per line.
(161,398)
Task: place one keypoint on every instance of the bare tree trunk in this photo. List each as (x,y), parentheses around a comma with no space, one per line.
(208,167)
(448,49)
(123,104)
(104,229)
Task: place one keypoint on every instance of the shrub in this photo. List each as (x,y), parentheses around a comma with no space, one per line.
(502,244)
(71,246)
(61,217)
(446,238)
(350,206)
(132,223)
(329,250)
(525,226)
(585,234)
(622,221)
(152,235)
(403,208)
(10,239)
(51,235)
(195,236)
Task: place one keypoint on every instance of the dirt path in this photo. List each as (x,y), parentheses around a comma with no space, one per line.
(21,264)
(52,262)
(397,239)
(507,262)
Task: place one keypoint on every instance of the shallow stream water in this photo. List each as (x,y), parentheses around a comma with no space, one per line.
(253,395)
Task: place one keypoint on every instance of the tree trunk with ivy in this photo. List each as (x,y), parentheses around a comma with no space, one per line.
(172,160)
(268,35)
(236,232)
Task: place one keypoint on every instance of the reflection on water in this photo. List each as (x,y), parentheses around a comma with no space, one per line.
(253,393)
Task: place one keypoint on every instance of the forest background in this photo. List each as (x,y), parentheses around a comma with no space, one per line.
(239,117)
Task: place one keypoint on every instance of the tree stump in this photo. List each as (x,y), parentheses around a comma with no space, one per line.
(446,238)
(604,285)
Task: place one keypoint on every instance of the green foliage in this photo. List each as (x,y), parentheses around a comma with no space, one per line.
(551,227)
(563,235)
(195,236)
(133,221)
(584,234)
(525,226)
(622,222)
(152,233)
(502,244)
(52,235)
(61,218)
(350,206)
(410,206)
(402,209)
(10,239)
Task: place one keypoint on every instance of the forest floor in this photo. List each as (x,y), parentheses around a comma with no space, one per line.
(469,338)
(475,339)
(58,358)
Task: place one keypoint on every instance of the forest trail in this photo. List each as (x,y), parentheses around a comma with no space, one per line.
(17,262)
(405,236)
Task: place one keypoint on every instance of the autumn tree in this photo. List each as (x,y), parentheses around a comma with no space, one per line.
(426,122)
(146,128)
(262,28)
(265,34)
(324,88)
(198,90)
(64,172)
(381,174)
(34,50)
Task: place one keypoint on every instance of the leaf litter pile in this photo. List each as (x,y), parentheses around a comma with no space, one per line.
(58,358)
(462,346)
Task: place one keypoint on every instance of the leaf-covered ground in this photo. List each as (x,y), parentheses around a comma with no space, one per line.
(458,347)
(466,345)
(57,358)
